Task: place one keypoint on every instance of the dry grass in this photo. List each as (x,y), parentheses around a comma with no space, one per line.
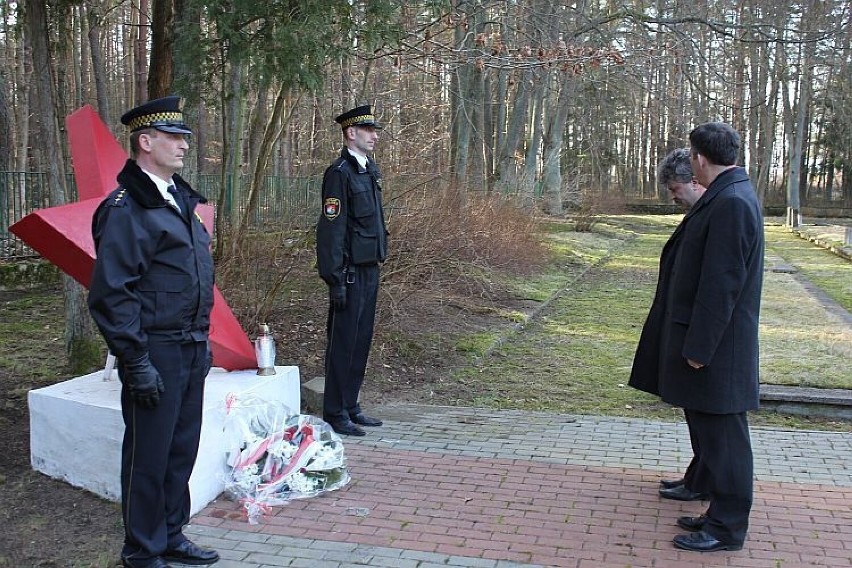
(442,235)
(445,278)
(260,270)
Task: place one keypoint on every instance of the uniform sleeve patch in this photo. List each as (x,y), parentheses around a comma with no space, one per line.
(331,208)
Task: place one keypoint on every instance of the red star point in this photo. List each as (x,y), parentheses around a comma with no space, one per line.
(63,234)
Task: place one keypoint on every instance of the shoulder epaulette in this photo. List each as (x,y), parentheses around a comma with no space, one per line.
(119,199)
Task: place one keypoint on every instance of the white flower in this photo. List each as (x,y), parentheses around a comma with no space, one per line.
(276,456)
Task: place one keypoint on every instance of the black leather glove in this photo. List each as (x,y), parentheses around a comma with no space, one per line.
(143,381)
(338,297)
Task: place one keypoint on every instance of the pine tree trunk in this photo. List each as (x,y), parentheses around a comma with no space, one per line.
(81,343)
(98,63)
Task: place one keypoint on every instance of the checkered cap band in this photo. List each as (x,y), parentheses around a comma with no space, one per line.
(156,118)
(357,119)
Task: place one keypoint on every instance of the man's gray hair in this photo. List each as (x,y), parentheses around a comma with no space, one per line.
(675,167)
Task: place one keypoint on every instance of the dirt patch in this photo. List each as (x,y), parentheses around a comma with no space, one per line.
(45,522)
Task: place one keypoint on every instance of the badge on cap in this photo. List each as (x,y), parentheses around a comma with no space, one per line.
(331,208)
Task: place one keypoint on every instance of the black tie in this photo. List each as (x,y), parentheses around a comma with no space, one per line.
(181,202)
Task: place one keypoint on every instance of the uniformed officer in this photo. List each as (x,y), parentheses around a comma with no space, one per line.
(151,294)
(351,244)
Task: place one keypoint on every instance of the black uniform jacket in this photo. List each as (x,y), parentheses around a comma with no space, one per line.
(153,276)
(351,229)
(707,305)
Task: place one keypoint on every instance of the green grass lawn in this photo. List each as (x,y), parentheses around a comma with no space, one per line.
(833,274)
(576,356)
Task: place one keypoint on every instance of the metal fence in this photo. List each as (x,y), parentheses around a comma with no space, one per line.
(20,194)
(281,200)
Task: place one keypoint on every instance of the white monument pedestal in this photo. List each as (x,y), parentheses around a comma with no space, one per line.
(76,428)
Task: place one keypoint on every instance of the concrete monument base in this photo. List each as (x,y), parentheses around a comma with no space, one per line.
(76,428)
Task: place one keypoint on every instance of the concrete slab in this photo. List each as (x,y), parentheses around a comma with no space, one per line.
(807,401)
(312,394)
(76,428)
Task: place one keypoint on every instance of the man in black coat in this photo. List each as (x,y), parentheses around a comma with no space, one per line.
(351,245)
(675,174)
(151,295)
(706,350)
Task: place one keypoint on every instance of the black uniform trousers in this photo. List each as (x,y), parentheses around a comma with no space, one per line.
(350,335)
(726,471)
(159,450)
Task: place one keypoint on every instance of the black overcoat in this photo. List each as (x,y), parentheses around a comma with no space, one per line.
(707,305)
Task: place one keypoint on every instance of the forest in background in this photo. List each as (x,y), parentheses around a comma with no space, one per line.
(556,102)
(563,106)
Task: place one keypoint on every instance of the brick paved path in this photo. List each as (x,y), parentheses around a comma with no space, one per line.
(441,486)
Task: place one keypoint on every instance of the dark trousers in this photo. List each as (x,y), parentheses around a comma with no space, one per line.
(689,475)
(159,450)
(350,335)
(726,471)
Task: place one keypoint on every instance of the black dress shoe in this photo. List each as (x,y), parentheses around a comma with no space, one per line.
(669,483)
(681,493)
(702,542)
(692,524)
(363,420)
(156,562)
(190,553)
(347,428)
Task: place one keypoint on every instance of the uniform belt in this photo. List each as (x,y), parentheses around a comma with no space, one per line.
(182,335)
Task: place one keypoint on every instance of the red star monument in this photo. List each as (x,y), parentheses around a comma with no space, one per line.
(63,234)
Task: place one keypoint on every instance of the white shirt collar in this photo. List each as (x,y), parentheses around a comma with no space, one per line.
(163,187)
(362,159)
